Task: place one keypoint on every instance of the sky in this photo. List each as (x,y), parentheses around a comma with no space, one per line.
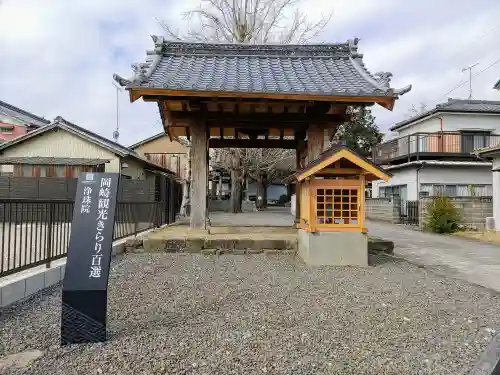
(57,57)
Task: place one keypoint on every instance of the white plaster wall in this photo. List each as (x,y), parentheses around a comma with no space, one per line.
(407,176)
(134,170)
(471,122)
(496,192)
(431,125)
(456,175)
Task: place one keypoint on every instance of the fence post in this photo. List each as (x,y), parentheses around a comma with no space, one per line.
(49,233)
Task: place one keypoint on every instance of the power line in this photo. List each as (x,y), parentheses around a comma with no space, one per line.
(475,40)
(463,49)
(475,75)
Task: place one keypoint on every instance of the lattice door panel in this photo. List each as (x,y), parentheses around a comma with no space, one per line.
(337,206)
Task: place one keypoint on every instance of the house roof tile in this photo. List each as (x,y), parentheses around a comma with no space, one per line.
(22,115)
(38,160)
(114,147)
(457,106)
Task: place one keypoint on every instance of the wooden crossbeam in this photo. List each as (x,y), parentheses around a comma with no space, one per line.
(221,119)
(251,143)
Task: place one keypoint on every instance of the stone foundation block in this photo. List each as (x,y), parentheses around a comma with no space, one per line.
(334,248)
(378,245)
(194,245)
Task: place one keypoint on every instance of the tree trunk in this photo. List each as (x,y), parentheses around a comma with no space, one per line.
(236,191)
(264,200)
(213,189)
(261,201)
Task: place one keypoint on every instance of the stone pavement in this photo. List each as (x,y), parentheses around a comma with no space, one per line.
(469,260)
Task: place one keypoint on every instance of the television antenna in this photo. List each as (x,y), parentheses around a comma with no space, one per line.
(116,133)
(469,68)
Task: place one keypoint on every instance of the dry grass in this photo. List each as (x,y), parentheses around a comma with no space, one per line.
(490,236)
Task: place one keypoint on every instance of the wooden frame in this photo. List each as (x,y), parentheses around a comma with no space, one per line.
(368,167)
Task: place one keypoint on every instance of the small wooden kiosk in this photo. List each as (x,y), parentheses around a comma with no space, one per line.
(331,190)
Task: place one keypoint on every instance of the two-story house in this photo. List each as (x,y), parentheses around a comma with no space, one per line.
(432,152)
(15,122)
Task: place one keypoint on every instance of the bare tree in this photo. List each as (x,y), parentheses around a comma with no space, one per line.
(248,22)
(415,111)
(254,164)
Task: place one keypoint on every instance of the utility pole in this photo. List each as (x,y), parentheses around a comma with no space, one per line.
(469,68)
(116,133)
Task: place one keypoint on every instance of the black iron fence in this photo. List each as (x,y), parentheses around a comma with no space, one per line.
(410,212)
(35,232)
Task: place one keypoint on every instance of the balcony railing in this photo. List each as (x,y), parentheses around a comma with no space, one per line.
(420,145)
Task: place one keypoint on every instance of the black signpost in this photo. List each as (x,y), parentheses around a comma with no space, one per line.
(85,285)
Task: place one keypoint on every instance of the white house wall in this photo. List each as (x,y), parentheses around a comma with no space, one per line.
(445,175)
(496,192)
(62,144)
(134,170)
(453,123)
(456,175)
(407,176)
(427,126)
(471,122)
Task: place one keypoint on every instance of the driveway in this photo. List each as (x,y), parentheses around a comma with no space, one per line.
(469,260)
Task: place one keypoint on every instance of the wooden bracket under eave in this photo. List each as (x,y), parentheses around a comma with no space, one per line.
(133,95)
(389,104)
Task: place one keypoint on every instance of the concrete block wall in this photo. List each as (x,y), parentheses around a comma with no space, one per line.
(383,209)
(24,287)
(474,210)
(21,286)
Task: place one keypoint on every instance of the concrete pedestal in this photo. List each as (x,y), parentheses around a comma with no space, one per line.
(334,248)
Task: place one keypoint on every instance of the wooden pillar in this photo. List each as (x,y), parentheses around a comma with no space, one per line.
(315,141)
(297,188)
(199,174)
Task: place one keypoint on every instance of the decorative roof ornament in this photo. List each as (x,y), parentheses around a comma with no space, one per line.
(140,72)
(159,42)
(353,47)
(383,78)
(403,90)
(120,80)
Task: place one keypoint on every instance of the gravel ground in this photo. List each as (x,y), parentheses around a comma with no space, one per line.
(187,314)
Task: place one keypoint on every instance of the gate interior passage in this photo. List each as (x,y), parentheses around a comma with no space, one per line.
(409,213)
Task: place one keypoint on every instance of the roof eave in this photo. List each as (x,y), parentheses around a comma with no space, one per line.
(437,111)
(386,101)
(147,140)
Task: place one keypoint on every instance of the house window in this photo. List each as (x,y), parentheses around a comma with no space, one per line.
(455,190)
(6,170)
(6,130)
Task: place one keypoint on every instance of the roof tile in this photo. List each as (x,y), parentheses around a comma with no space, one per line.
(327,69)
